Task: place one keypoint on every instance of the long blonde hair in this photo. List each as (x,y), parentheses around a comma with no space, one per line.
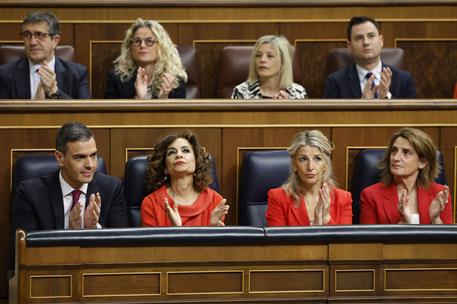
(312,138)
(168,60)
(284,49)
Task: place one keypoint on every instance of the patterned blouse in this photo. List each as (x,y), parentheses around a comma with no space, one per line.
(252,91)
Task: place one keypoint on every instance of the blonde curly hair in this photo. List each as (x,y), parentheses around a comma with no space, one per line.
(168,60)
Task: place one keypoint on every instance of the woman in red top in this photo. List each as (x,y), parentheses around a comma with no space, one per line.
(179,175)
(309,197)
(407,193)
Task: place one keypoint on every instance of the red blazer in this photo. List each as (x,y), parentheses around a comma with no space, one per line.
(281,210)
(153,212)
(379,204)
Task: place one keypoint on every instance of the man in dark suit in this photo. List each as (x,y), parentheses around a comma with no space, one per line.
(368,77)
(75,197)
(41,75)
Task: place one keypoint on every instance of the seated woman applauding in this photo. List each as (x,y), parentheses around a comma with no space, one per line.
(309,197)
(407,193)
(179,173)
(270,72)
(149,66)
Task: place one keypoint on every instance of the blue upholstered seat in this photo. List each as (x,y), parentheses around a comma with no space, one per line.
(366,173)
(261,171)
(135,186)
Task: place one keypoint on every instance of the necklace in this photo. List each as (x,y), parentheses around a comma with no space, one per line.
(183,200)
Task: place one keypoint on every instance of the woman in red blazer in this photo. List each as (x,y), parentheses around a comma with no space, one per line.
(179,173)
(407,193)
(309,197)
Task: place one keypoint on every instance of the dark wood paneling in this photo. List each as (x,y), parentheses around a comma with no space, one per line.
(433,65)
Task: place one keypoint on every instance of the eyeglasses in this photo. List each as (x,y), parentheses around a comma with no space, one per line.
(38,35)
(136,42)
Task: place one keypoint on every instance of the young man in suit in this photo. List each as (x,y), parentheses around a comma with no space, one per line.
(41,75)
(76,196)
(368,77)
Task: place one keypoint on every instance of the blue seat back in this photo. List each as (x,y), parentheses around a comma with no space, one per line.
(261,171)
(366,173)
(36,165)
(135,187)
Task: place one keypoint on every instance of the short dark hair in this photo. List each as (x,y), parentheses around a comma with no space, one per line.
(356,20)
(156,173)
(48,17)
(71,132)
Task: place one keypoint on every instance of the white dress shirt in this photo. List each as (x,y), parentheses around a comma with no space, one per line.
(68,200)
(35,77)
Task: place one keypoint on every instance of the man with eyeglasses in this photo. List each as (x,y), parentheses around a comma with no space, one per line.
(41,75)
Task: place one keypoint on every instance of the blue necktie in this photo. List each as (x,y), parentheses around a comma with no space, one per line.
(367,76)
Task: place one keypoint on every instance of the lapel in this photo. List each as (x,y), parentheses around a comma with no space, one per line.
(300,213)
(389,197)
(423,197)
(354,81)
(61,71)
(22,79)
(57,201)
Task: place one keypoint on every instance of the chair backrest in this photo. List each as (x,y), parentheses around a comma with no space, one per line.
(189,61)
(366,173)
(341,57)
(12,53)
(135,188)
(261,171)
(234,69)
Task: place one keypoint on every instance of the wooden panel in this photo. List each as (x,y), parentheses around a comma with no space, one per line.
(421,280)
(50,286)
(288,281)
(432,80)
(120,284)
(201,282)
(351,280)
(313,59)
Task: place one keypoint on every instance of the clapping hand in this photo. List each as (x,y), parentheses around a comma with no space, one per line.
(141,83)
(48,79)
(92,212)
(322,210)
(403,208)
(166,86)
(173,213)
(384,86)
(218,213)
(438,204)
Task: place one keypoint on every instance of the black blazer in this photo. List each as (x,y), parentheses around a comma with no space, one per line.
(345,83)
(116,89)
(71,80)
(38,204)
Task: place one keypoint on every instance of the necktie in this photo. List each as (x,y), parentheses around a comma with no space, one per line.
(367,76)
(75,195)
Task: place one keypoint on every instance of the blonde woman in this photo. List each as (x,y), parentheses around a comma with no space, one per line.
(270,72)
(309,197)
(149,66)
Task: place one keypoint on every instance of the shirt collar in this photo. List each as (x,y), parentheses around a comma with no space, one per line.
(34,67)
(376,71)
(67,189)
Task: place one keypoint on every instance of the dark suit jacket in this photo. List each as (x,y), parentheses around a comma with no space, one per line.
(345,83)
(116,89)
(71,80)
(379,204)
(38,203)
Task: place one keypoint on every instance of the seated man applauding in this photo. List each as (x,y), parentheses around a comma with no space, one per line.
(41,75)
(75,197)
